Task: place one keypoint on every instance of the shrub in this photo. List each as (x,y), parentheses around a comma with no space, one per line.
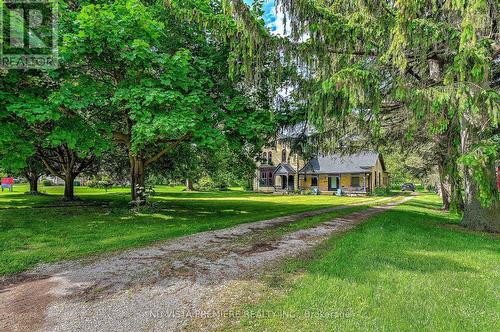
(207,183)
(47,183)
(431,188)
(204,184)
(247,185)
(222,186)
(101,184)
(91,184)
(386,191)
(150,190)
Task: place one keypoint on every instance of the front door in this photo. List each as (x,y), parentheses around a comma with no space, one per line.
(291,182)
(283,182)
(333,183)
(287,182)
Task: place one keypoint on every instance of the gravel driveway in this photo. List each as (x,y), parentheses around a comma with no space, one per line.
(159,288)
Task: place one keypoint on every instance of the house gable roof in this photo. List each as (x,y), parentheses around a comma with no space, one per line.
(297,130)
(283,169)
(356,163)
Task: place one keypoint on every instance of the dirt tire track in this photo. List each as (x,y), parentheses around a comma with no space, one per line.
(157,288)
(25,305)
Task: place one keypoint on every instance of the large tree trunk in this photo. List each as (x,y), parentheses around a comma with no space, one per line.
(450,187)
(33,181)
(456,198)
(189,185)
(66,164)
(137,176)
(477,216)
(444,191)
(447,155)
(33,184)
(69,188)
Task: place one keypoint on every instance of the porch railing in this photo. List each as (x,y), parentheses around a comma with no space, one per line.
(362,190)
(280,188)
(266,183)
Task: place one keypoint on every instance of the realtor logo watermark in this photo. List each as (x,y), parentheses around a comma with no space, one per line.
(29,34)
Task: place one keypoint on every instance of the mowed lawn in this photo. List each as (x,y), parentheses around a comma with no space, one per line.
(36,229)
(408,269)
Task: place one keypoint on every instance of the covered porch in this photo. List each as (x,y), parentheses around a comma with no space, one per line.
(349,183)
(284,178)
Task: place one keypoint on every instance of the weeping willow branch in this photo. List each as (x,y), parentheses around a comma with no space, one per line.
(234,23)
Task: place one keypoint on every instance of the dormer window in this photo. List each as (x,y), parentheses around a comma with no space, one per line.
(270,158)
(283,155)
(264,157)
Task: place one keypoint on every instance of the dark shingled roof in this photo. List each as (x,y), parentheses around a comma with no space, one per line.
(355,163)
(284,168)
(297,130)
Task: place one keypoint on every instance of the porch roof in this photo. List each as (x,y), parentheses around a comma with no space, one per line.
(284,169)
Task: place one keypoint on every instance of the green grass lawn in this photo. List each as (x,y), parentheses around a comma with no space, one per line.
(408,269)
(36,229)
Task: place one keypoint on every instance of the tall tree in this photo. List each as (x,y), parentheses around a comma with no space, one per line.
(17,157)
(32,172)
(433,59)
(37,130)
(156,81)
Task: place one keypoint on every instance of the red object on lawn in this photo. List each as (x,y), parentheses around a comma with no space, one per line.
(8,181)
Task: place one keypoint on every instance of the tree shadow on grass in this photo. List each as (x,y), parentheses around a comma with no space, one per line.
(67,233)
(208,194)
(22,201)
(423,263)
(426,205)
(120,199)
(402,241)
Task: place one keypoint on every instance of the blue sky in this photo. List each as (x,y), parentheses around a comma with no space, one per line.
(270,16)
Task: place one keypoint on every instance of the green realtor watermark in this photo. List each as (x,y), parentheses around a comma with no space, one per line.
(29,34)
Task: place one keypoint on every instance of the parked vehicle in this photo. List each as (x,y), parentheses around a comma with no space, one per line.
(408,187)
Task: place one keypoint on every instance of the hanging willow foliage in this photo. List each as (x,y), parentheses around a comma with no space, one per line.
(253,49)
(366,63)
(432,60)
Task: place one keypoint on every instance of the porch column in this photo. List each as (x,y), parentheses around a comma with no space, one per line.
(364,182)
(257,181)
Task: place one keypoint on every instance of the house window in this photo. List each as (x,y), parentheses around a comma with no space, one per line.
(355,181)
(283,155)
(314,181)
(270,158)
(333,183)
(264,157)
(266,179)
(379,182)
